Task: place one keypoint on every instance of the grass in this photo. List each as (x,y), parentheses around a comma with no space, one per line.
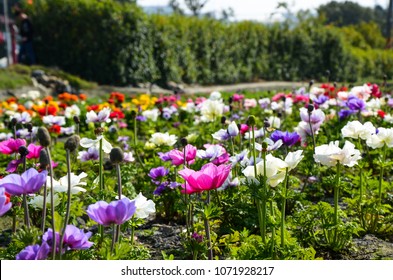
(18,75)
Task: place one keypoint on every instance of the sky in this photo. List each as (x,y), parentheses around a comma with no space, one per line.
(260,10)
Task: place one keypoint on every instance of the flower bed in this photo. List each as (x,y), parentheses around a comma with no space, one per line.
(292,176)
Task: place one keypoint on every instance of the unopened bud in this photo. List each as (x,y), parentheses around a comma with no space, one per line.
(223,120)
(23,151)
(29,127)
(14,121)
(133,114)
(72,143)
(116,155)
(251,120)
(99,131)
(76,119)
(264,146)
(311,83)
(43,137)
(108,164)
(44,159)
(184,142)
(310,108)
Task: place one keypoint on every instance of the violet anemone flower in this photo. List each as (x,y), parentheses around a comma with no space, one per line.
(215,153)
(29,182)
(5,203)
(91,154)
(289,139)
(158,172)
(116,212)
(356,104)
(34,252)
(74,238)
(11,146)
(210,177)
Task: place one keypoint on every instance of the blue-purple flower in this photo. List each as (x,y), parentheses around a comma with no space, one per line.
(288,138)
(29,182)
(74,238)
(356,104)
(116,212)
(158,172)
(34,252)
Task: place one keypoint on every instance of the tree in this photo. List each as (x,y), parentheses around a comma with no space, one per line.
(175,6)
(195,6)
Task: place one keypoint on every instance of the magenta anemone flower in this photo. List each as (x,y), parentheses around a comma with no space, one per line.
(5,203)
(34,252)
(34,151)
(11,146)
(74,238)
(177,156)
(210,177)
(28,183)
(117,212)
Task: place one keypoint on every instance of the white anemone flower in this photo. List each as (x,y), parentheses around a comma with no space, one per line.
(151,114)
(383,137)
(143,206)
(52,120)
(163,139)
(211,110)
(102,116)
(87,143)
(357,130)
(38,201)
(275,170)
(72,111)
(293,159)
(332,154)
(62,184)
(22,117)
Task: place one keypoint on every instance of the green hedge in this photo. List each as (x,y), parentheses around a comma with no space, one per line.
(113,43)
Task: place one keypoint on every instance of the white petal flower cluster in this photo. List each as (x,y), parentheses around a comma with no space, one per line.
(143,206)
(357,130)
(62,184)
(88,143)
(163,139)
(151,114)
(383,136)
(101,117)
(211,110)
(330,155)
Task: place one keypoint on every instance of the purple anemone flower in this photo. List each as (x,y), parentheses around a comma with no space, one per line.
(116,212)
(343,114)
(164,156)
(74,238)
(5,204)
(158,172)
(289,139)
(356,104)
(28,183)
(34,252)
(320,100)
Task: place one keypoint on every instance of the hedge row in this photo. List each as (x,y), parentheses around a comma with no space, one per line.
(113,43)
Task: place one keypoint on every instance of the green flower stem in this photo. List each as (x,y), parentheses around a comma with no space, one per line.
(336,196)
(101,161)
(67,215)
(312,132)
(113,238)
(284,202)
(132,230)
(25,205)
(119,193)
(261,220)
(52,204)
(136,145)
(273,230)
(381,175)
(264,197)
(44,208)
(207,230)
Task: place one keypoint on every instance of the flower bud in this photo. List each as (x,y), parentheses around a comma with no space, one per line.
(29,127)
(183,142)
(310,108)
(23,151)
(116,155)
(107,164)
(251,120)
(223,120)
(14,121)
(311,83)
(44,159)
(99,131)
(133,114)
(43,137)
(72,143)
(76,119)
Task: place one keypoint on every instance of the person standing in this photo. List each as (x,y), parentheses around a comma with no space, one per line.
(26,51)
